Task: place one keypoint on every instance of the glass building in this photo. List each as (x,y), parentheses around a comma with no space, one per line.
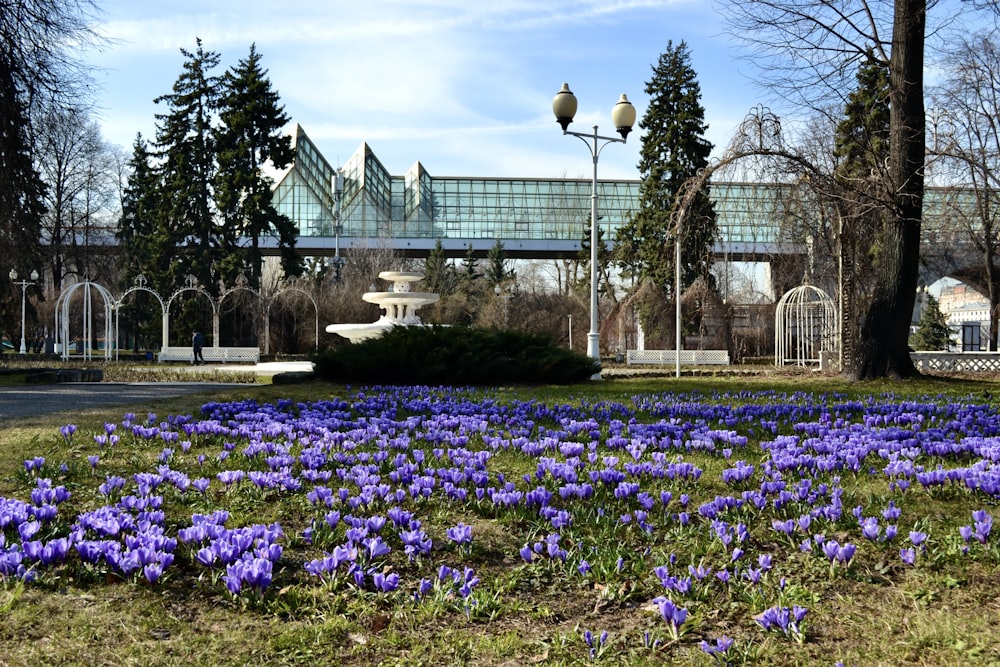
(532,217)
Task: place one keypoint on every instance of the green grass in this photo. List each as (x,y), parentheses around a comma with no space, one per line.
(944,611)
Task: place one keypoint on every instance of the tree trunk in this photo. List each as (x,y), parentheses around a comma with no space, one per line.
(883,349)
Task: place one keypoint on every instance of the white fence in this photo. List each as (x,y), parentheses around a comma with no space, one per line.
(980,362)
(217,355)
(688,357)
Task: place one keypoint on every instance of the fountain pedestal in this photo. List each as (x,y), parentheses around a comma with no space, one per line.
(399,307)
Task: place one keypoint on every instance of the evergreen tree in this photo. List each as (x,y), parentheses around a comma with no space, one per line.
(673,149)
(21,196)
(439,274)
(250,137)
(142,231)
(604,259)
(497,270)
(862,138)
(470,270)
(186,145)
(861,148)
(933,332)
(144,242)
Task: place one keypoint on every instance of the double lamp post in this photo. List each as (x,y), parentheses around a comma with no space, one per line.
(623,117)
(24,284)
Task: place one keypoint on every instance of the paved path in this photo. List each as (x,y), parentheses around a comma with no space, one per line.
(20,401)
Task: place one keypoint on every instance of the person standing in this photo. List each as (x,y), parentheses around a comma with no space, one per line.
(197,343)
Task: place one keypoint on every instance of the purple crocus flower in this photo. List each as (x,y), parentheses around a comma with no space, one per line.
(375,547)
(385,583)
(719,648)
(870,529)
(672,614)
(67,432)
(460,534)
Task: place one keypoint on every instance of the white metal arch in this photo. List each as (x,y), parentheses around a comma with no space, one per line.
(191,285)
(267,315)
(62,318)
(242,285)
(805,324)
(139,286)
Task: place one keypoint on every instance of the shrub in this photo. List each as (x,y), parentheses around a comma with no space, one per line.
(454,356)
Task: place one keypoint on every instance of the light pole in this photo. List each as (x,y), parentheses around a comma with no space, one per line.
(337,185)
(506,293)
(24,289)
(623,118)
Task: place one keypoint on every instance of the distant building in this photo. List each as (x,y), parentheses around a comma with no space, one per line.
(968,314)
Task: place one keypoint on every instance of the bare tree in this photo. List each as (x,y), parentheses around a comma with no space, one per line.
(82,203)
(38,71)
(810,47)
(969,151)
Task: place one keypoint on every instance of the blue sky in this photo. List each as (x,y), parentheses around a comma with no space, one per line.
(463,87)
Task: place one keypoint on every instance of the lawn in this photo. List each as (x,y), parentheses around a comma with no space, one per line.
(695,522)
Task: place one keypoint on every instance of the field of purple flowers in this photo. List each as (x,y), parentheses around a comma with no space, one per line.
(413,525)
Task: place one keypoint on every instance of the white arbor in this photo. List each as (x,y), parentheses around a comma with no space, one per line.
(87,333)
(805,325)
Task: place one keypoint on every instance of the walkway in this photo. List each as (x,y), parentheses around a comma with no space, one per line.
(23,401)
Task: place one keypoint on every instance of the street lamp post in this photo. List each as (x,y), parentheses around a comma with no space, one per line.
(337,185)
(506,293)
(623,117)
(24,284)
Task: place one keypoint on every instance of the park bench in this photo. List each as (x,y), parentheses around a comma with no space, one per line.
(213,355)
(688,357)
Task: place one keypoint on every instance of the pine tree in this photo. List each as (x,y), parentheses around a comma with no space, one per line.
(250,137)
(21,196)
(861,147)
(604,260)
(439,274)
(144,244)
(673,150)
(470,271)
(142,229)
(862,138)
(186,145)
(933,332)
(497,270)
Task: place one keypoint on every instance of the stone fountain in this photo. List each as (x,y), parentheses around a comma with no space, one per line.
(399,306)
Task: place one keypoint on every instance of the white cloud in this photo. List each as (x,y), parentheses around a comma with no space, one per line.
(457,85)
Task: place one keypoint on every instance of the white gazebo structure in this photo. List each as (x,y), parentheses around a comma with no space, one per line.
(805,327)
(62,316)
